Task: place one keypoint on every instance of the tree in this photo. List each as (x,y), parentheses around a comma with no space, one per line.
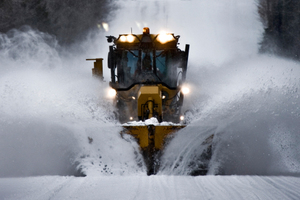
(281,19)
(68,20)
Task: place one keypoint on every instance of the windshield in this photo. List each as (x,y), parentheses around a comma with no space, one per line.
(146,66)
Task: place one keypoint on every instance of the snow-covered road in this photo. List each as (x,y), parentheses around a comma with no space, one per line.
(153,187)
(51,108)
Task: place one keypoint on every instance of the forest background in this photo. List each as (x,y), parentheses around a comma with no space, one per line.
(72,20)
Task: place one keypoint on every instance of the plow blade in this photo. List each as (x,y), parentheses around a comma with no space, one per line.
(151,140)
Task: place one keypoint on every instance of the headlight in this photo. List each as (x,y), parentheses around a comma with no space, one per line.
(111,93)
(164,95)
(130,38)
(165,37)
(127,38)
(123,38)
(185,90)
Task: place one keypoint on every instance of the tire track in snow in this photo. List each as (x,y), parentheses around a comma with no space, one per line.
(68,188)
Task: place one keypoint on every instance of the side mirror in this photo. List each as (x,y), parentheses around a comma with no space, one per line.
(110,39)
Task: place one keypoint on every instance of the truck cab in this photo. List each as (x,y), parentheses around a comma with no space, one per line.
(147,73)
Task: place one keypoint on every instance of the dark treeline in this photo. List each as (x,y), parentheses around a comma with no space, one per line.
(281,20)
(68,20)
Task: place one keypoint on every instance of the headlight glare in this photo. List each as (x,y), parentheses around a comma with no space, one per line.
(185,90)
(127,38)
(111,93)
(130,38)
(165,37)
(123,38)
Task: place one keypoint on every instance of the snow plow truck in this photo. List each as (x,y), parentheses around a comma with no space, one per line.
(148,72)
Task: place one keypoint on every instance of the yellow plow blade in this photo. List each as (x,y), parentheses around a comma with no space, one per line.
(151,139)
(151,134)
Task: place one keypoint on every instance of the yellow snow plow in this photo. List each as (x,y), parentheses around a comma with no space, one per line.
(148,73)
